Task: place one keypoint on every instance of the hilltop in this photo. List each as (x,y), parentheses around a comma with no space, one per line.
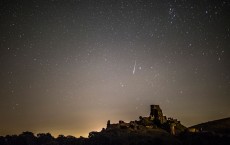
(221,126)
(158,129)
(153,129)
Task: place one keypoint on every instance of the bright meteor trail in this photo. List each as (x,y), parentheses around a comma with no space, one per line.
(134,68)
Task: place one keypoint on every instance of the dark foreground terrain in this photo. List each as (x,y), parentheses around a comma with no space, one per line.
(119,138)
(212,133)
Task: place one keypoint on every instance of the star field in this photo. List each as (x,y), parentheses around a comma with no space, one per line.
(68,67)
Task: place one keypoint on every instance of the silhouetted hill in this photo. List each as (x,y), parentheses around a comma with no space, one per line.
(153,129)
(221,126)
(215,132)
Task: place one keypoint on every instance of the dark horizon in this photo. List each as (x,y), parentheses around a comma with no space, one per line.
(86,135)
(68,67)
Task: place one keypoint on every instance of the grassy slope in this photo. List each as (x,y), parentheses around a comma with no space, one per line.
(218,126)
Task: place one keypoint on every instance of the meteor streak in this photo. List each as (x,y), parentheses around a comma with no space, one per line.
(134,68)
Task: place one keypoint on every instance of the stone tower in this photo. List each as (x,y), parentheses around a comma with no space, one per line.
(156,113)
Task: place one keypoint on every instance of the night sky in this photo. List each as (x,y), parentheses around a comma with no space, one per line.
(69,66)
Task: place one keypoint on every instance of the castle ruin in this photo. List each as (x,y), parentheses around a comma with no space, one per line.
(155,120)
(156,113)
